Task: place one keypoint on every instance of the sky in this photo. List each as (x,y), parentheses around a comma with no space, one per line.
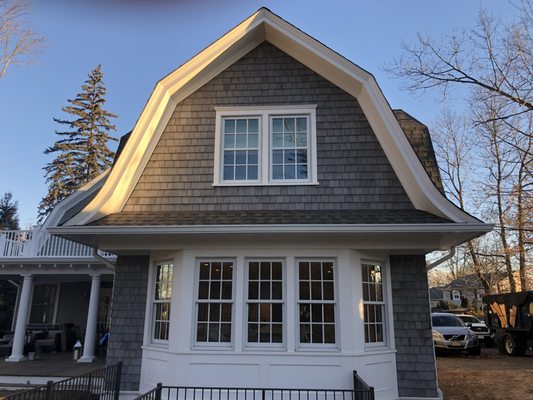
(138,42)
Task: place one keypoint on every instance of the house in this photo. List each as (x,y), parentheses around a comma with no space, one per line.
(270,215)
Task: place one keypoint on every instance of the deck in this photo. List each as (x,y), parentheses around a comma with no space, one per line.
(49,366)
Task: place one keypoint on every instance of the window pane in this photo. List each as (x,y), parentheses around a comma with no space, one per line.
(241,125)
(289,140)
(303,270)
(226,312)
(277,271)
(226,290)
(253,125)
(301,124)
(252,173)
(301,139)
(265,290)
(316,333)
(229,141)
(203,311)
(290,172)
(229,125)
(225,333)
(253,290)
(329,333)
(329,313)
(289,124)
(304,291)
(277,156)
(253,312)
(229,158)
(265,271)
(214,312)
(214,292)
(240,157)
(240,141)
(277,313)
(277,140)
(201,333)
(203,290)
(277,172)
(227,271)
(240,173)
(252,157)
(252,140)
(254,270)
(277,333)
(277,125)
(253,330)
(289,156)
(228,173)
(277,291)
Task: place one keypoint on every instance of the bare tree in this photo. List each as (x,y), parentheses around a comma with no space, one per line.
(18,42)
(493,58)
(457,153)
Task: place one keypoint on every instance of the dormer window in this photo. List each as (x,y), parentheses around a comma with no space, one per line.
(265,145)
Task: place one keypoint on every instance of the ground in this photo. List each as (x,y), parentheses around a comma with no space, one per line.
(490,376)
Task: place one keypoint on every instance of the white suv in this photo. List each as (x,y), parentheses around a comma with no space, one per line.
(450,334)
(480,328)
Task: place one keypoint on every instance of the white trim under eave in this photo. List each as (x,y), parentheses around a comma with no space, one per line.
(63,206)
(299,228)
(264,25)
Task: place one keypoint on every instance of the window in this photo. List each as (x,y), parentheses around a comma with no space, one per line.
(265,302)
(214,304)
(373,302)
(43,304)
(161,302)
(316,302)
(265,145)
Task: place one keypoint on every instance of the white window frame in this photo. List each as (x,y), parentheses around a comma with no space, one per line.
(335,302)
(265,114)
(153,302)
(265,345)
(384,292)
(213,345)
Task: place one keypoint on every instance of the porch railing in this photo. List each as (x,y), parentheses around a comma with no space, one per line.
(361,391)
(38,243)
(103,384)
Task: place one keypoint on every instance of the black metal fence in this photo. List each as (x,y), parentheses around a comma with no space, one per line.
(103,384)
(361,391)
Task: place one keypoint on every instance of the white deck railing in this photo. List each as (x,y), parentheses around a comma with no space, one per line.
(39,244)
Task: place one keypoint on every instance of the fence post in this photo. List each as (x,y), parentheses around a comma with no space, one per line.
(118,375)
(158,390)
(49,389)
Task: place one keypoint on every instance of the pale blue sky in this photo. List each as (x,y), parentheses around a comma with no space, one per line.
(138,42)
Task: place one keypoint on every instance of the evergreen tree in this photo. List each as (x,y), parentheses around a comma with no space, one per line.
(9,219)
(82,153)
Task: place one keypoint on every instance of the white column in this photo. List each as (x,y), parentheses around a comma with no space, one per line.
(19,339)
(92,319)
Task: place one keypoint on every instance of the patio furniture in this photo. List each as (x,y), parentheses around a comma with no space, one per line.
(51,341)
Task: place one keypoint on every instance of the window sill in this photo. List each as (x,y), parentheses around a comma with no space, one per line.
(295,183)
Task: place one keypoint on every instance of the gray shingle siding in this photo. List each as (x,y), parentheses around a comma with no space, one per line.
(127,318)
(415,356)
(353,170)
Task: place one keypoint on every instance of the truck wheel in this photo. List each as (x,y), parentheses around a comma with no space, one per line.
(513,346)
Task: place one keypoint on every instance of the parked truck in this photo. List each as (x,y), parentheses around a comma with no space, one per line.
(510,315)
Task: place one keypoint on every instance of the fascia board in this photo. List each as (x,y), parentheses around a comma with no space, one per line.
(301,228)
(80,194)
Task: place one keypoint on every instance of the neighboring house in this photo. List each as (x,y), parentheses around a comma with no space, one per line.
(271,219)
(465,292)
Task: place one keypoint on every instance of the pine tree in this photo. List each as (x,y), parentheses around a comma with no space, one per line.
(9,219)
(82,153)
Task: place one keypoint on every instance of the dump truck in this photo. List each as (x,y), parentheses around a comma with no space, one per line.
(510,315)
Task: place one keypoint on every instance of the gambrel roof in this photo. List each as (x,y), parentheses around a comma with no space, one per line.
(420,182)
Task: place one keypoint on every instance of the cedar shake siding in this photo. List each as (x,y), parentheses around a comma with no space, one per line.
(415,356)
(127,318)
(418,135)
(353,171)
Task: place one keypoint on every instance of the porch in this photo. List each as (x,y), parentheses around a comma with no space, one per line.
(59,292)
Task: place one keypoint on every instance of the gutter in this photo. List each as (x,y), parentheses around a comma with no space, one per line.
(436,263)
(106,262)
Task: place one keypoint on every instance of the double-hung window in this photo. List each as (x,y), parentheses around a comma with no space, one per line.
(214,303)
(265,303)
(316,302)
(274,145)
(161,301)
(373,303)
